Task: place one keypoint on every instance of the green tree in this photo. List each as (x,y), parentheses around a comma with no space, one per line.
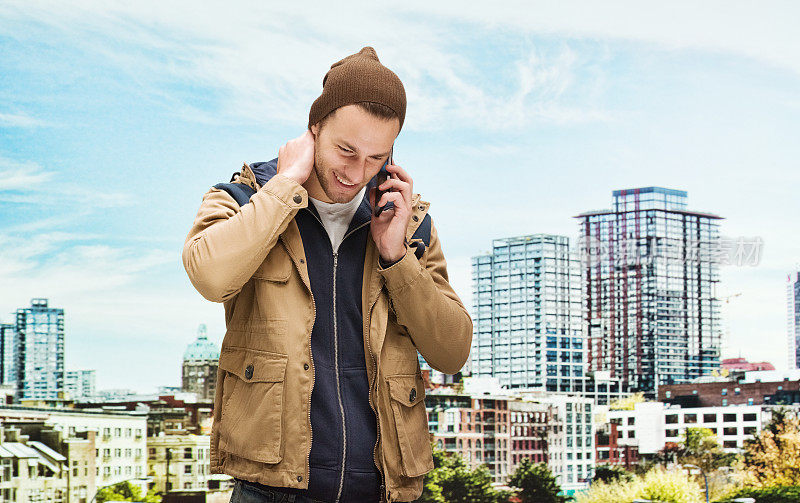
(772,457)
(611,473)
(700,447)
(451,481)
(125,491)
(536,483)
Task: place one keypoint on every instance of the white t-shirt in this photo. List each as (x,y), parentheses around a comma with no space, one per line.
(336,217)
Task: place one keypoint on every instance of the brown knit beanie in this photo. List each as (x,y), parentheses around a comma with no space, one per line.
(357,78)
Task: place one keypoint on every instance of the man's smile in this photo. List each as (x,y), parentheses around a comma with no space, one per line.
(342,181)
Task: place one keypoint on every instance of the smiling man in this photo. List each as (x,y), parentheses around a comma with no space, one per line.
(327,304)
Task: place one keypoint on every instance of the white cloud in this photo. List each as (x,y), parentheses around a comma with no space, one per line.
(16,180)
(766,31)
(27,183)
(268,62)
(19,121)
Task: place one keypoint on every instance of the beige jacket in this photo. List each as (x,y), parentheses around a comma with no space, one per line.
(251,258)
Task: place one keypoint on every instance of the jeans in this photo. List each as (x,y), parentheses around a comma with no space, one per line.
(246,493)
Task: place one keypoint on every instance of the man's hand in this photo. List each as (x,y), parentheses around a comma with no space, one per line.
(389,228)
(296,158)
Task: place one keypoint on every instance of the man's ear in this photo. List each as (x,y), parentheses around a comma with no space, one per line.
(314,129)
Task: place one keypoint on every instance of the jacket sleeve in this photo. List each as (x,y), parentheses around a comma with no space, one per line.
(227,243)
(426,304)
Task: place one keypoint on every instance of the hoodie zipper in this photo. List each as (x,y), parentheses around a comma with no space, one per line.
(336,369)
(336,358)
(336,355)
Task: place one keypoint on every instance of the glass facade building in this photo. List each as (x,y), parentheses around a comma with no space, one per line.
(8,352)
(793,319)
(526,313)
(80,384)
(649,276)
(40,351)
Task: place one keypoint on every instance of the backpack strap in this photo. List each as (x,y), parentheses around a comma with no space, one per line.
(240,192)
(421,238)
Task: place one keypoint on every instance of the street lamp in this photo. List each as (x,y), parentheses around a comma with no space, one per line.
(705,478)
(166,485)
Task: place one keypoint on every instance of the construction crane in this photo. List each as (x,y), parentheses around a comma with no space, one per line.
(726,333)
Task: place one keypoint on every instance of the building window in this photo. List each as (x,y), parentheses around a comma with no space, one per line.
(729,418)
(748,417)
(709,418)
(724,391)
(729,444)
(671,419)
(690,418)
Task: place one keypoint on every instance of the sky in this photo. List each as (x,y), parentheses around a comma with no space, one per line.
(116,118)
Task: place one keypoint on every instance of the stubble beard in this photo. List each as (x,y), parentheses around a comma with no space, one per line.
(324,179)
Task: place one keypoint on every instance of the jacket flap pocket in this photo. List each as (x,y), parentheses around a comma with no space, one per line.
(253,365)
(406,389)
(276,267)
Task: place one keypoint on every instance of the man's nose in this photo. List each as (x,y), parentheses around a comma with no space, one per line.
(356,170)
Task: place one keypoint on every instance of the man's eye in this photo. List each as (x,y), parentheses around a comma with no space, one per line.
(345,150)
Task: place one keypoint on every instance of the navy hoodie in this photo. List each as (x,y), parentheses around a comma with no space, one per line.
(344,427)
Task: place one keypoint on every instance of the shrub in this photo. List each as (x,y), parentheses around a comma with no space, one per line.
(775,494)
(667,486)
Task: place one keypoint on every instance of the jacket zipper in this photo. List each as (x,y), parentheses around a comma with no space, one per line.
(374,411)
(313,379)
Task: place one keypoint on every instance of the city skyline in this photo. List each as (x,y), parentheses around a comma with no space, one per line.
(116,119)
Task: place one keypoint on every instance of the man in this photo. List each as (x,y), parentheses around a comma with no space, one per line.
(319,394)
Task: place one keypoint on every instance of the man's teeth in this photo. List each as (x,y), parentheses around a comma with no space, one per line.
(342,181)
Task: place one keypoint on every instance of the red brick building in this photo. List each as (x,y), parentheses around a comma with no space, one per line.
(731,392)
(741,364)
(612,449)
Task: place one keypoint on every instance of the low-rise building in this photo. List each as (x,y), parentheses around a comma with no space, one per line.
(571,444)
(30,470)
(613,449)
(530,431)
(738,388)
(179,462)
(119,441)
(475,427)
(654,424)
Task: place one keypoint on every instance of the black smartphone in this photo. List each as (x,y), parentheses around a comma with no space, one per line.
(381,177)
